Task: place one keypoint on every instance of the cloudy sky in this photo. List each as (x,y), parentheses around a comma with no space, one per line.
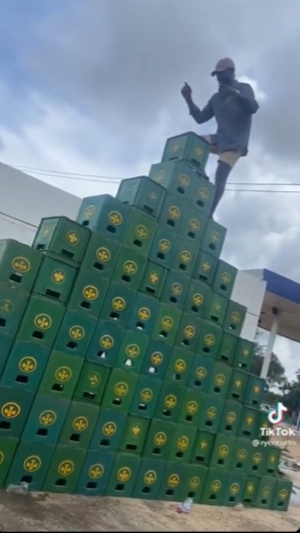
(93,87)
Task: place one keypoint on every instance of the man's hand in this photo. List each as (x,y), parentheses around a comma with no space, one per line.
(186,92)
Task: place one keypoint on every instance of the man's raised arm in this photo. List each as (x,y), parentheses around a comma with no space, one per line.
(199,116)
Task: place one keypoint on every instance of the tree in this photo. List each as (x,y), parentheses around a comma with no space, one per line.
(276,372)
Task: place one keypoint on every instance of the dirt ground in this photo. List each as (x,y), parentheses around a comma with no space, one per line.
(55,512)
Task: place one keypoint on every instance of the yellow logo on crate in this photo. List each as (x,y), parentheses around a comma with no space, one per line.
(6,306)
(164,245)
(175,148)
(250,488)
(206,266)
(43,321)
(20,264)
(63,374)
(146,395)
(185,256)
(174,212)
(160,438)
(130,267)
(242,454)
(47,230)
(226,278)
(256,389)
(194,224)
(211,413)
(170,401)
(1,457)
(47,418)
(283,493)
(103,254)
(118,303)
(216,485)
(159,177)
(89,211)
(249,420)
(194,483)
(115,218)
(235,317)
(152,196)
(201,372)
(203,193)
(109,429)
(96,471)
(238,383)
(121,388)
(189,332)
(124,474)
(231,417)
(266,491)
(220,380)
(28,364)
(106,341)
(182,443)
(209,339)
(167,323)
(257,458)
(203,444)
(132,350)
(272,458)
(94,379)
(192,407)
(141,232)
(154,277)
(157,358)
(76,332)
(234,489)
(223,451)
(80,423)
(32,463)
(10,410)
(72,238)
(66,468)
(150,477)
(245,352)
(180,366)
(173,480)
(135,430)
(198,151)
(90,292)
(184,180)
(144,313)
(58,276)
(176,289)
(215,237)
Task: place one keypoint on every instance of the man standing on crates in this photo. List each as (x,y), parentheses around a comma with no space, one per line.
(232,106)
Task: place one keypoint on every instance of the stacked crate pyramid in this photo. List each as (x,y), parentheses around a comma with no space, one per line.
(122,369)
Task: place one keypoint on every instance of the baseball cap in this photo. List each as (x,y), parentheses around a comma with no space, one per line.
(223,64)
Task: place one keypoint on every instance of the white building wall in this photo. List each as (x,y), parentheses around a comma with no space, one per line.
(29,199)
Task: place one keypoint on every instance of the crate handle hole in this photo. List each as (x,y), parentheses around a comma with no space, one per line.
(191,234)
(138,243)
(91,485)
(169,492)
(189,418)
(116,401)
(53,294)
(179,454)
(2,322)
(161,256)
(182,266)
(41,247)
(58,387)
(220,461)
(171,223)
(212,497)
(43,432)
(146,490)
(128,362)
(22,379)
(119,487)
(177,377)
(167,412)
(186,342)
(199,458)
(85,305)
(152,370)
(180,190)
(173,299)
(67,253)
(75,437)
(73,345)
(102,355)
(150,290)
(142,407)
(140,325)
(114,315)
(16,277)
(85,223)
(105,442)
(163,334)
(111,229)
(5,425)
(198,383)
(26,479)
(132,447)
(37,334)
(60,482)
(156,451)
(126,278)
(148,209)
(98,266)
(89,395)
